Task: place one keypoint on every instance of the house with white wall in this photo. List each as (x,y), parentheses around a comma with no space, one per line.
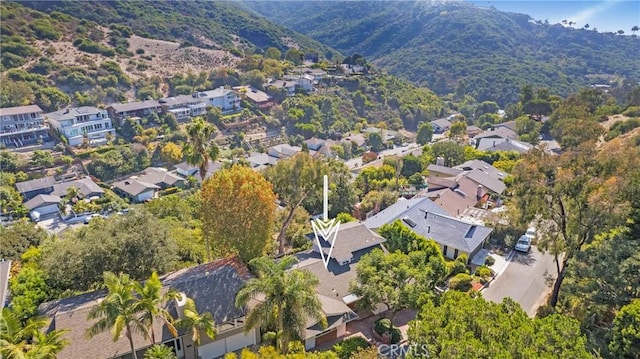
(22,126)
(76,123)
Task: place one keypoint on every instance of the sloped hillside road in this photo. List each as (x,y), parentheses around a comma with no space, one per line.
(527,280)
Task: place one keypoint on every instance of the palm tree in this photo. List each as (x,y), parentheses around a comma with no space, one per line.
(18,340)
(118,311)
(200,149)
(196,322)
(286,299)
(634,29)
(152,302)
(160,351)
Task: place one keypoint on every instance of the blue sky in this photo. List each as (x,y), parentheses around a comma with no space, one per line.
(608,15)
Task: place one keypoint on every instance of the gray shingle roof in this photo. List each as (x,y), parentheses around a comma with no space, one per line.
(135,106)
(399,209)
(85,186)
(158,176)
(351,237)
(437,225)
(134,187)
(212,286)
(486,180)
(484,166)
(448,171)
(10,111)
(41,200)
(36,184)
(447,230)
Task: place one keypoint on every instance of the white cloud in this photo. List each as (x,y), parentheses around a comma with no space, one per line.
(585,15)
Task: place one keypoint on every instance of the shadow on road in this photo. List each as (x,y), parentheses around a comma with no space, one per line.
(524,258)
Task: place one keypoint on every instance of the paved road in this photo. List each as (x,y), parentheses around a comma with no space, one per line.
(525,280)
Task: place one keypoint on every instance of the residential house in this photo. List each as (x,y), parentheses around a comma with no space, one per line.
(184,107)
(225,99)
(454,196)
(353,240)
(22,126)
(503,144)
(442,171)
(441,125)
(484,166)
(212,286)
(42,204)
(511,125)
(473,131)
(135,190)
(260,99)
(85,186)
(497,133)
(283,151)
(78,123)
(119,111)
(260,161)
(280,85)
(319,146)
(161,177)
(387,135)
(184,169)
(32,188)
(422,216)
(5,274)
(302,82)
(357,138)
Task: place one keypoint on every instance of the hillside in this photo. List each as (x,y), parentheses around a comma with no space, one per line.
(207,24)
(61,55)
(494,52)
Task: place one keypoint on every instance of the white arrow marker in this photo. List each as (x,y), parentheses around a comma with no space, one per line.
(325,228)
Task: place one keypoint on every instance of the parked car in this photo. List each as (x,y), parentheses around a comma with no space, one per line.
(523,244)
(531,233)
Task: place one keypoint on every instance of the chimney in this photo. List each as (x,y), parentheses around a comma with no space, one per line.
(440,161)
(479,192)
(428,229)
(426,214)
(180,303)
(494,143)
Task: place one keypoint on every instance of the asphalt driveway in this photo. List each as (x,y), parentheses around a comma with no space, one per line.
(527,280)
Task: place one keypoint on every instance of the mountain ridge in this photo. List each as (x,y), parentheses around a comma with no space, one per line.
(438,44)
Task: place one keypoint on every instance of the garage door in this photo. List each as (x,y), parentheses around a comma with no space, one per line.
(324,338)
(212,350)
(239,341)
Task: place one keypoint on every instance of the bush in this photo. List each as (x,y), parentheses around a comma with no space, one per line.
(483,272)
(489,261)
(461,282)
(456,267)
(383,326)
(347,347)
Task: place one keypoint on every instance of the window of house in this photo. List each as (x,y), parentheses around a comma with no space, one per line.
(455,254)
(444,251)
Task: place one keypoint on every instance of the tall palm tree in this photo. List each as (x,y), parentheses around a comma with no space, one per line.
(196,322)
(118,311)
(18,340)
(200,149)
(286,299)
(152,302)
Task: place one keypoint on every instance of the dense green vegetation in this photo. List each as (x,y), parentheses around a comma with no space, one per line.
(494,52)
